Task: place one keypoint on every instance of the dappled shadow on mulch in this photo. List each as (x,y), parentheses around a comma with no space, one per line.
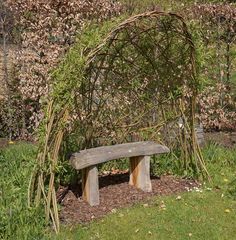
(115,192)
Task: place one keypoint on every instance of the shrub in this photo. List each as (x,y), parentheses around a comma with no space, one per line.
(213,25)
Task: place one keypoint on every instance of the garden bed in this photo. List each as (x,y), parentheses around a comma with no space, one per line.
(115,192)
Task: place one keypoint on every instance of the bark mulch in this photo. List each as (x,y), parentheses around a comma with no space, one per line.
(115,192)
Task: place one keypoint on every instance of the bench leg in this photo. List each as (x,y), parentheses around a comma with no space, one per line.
(140,173)
(90,187)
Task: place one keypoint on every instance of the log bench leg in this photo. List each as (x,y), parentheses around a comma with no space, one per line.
(90,187)
(140,173)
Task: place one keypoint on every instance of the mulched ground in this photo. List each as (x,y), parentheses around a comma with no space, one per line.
(115,192)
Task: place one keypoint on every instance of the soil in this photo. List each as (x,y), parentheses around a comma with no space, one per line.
(115,192)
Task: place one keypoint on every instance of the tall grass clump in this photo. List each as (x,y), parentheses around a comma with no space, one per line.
(221,163)
(17,221)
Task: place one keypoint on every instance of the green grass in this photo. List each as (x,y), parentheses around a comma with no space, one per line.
(198,215)
(17,221)
(195,216)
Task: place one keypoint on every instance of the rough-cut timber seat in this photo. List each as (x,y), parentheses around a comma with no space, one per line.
(139,154)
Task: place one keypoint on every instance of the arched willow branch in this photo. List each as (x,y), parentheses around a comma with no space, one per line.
(137,83)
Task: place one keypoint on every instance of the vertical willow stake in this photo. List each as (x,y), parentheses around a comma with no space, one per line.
(47,160)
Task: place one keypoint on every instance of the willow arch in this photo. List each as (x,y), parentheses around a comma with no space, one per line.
(137,84)
(141,77)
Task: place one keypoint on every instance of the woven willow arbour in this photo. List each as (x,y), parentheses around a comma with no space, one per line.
(137,80)
(138,84)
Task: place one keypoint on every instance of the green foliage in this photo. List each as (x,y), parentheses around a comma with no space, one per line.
(166,164)
(162,164)
(218,155)
(67,77)
(17,221)
(121,164)
(116,87)
(221,163)
(232,189)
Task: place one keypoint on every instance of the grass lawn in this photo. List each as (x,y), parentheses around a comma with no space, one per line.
(197,215)
(206,214)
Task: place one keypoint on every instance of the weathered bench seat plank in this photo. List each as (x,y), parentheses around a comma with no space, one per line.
(93,156)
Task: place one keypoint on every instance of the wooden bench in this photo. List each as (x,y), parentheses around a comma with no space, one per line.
(139,154)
